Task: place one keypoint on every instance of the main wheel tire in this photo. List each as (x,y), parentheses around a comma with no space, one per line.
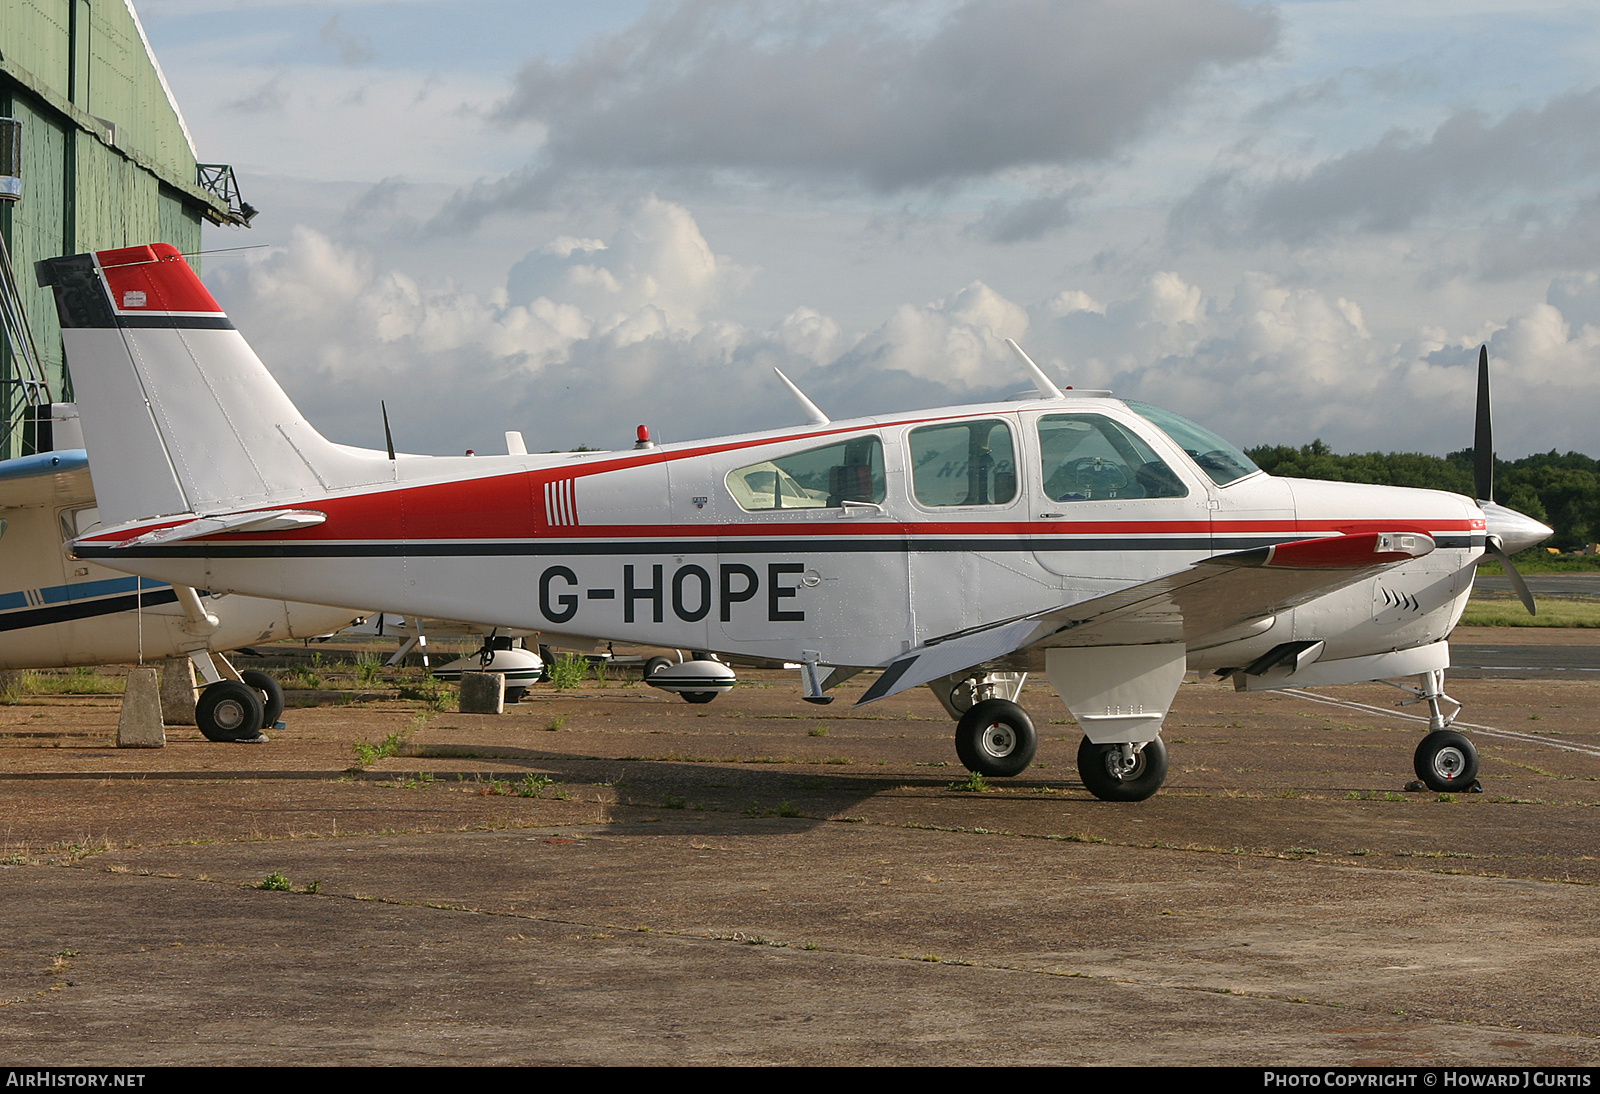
(698,696)
(229,711)
(1100,768)
(514,695)
(996,738)
(655,665)
(1446,760)
(271,695)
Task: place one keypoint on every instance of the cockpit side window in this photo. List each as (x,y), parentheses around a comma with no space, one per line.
(818,478)
(1089,457)
(1221,461)
(963,463)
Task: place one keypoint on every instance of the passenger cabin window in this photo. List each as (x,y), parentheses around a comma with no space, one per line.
(963,463)
(1089,457)
(75,522)
(818,478)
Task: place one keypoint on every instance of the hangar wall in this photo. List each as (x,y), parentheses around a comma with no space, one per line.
(106,158)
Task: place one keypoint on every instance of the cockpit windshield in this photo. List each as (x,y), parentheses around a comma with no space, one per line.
(1223,462)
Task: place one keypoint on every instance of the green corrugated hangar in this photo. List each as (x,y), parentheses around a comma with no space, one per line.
(94,154)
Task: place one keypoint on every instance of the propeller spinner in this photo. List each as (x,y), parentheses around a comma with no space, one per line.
(1508,530)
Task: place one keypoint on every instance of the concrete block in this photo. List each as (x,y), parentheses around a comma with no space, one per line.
(483,693)
(177,691)
(140,723)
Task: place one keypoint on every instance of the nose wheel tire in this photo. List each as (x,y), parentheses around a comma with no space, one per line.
(1446,760)
(229,711)
(1103,771)
(996,738)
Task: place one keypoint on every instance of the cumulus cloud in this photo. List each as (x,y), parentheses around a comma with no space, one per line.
(833,92)
(589,335)
(1403,177)
(659,260)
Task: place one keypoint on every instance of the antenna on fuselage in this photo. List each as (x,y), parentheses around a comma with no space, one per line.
(814,416)
(1042,383)
(388,438)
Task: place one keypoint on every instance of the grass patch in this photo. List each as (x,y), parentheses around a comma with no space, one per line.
(82,680)
(436,693)
(1536,560)
(1511,613)
(974,784)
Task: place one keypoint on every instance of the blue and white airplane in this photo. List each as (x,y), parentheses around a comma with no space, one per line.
(58,611)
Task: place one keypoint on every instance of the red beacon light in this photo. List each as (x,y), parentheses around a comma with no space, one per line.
(643,435)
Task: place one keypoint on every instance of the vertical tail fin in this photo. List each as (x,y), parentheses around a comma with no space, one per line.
(179,413)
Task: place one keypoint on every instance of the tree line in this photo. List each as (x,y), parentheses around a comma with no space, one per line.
(1563,491)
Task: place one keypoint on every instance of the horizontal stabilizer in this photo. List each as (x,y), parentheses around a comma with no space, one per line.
(271,521)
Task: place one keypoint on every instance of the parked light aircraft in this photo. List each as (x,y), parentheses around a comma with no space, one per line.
(1111,544)
(57,611)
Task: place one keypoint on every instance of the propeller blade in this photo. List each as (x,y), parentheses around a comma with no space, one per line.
(1483,435)
(1521,586)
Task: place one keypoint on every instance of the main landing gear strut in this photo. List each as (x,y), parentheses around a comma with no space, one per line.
(235,708)
(996,738)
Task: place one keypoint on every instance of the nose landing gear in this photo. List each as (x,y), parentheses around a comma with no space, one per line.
(1445,760)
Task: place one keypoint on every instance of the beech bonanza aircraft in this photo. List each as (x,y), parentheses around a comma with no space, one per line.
(57,611)
(1111,544)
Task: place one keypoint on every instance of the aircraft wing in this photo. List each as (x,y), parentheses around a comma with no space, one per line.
(1211,597)
(48,478)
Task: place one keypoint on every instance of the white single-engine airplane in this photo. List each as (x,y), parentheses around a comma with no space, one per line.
(1111,544)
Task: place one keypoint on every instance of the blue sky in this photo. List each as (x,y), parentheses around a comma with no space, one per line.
(1287,221)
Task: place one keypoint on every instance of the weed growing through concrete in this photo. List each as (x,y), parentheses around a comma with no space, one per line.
(784,809)
(368,665)
(275,882)
(368,754)
(974,784)
(555,724)
(819,731)
(530,785)
(567,671)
